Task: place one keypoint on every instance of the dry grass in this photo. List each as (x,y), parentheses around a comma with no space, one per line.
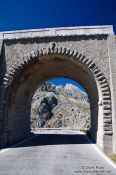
(112,156)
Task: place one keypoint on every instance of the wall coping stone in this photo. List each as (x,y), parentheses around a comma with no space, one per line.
(62,31)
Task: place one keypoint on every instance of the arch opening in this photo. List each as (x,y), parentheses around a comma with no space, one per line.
(26,82)
(41,66)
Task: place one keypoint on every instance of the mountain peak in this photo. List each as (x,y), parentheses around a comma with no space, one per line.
(71,87)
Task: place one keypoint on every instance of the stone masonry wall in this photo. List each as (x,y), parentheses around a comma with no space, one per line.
(93,47)
(93,42)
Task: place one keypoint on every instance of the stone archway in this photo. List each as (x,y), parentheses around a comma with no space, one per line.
(21,81)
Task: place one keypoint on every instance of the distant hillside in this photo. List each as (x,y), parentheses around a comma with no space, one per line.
(60,106)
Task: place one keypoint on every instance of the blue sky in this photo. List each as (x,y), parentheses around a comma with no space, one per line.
(30,14)
(64,81)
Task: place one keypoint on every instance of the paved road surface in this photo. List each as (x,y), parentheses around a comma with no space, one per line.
(61,153)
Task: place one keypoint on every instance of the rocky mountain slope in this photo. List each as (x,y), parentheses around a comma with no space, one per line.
(60,106)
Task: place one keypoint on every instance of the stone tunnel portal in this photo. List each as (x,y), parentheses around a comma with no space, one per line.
(36,70)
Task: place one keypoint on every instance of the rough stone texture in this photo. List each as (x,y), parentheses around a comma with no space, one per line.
(42,105)
(94,47)
(69,52)
(112,61)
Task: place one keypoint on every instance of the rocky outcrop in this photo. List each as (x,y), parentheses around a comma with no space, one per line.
(68,90)
(42,107)
(60,106)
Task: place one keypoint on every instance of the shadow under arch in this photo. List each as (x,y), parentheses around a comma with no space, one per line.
(22,79)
